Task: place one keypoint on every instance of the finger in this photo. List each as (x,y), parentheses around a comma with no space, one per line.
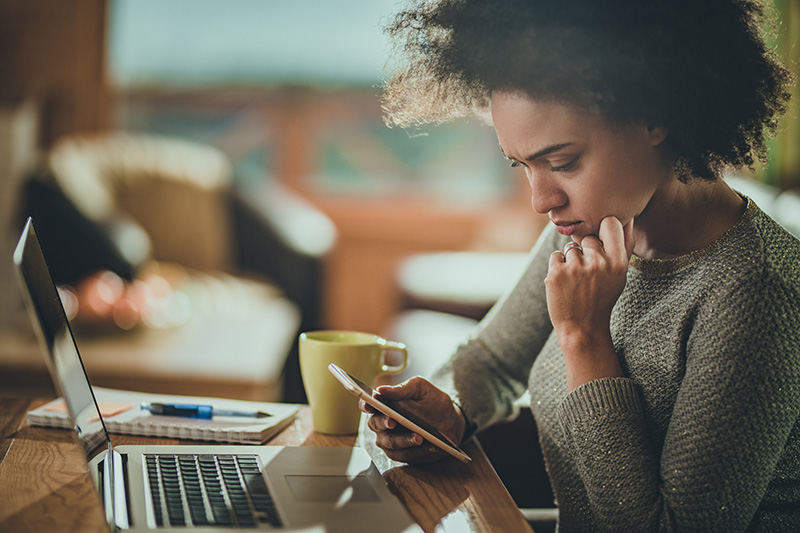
(630,241)
(591,244)
(365,407)
(575,248)
(398,441)
(380,422)
(408,389)
(613,238)
(556,258)
(398,450)
(417,388)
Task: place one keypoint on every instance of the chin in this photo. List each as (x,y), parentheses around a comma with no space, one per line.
(586,231)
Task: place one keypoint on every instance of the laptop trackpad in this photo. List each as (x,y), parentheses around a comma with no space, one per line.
(332,489)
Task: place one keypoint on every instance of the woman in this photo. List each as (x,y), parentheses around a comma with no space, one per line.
(662,349)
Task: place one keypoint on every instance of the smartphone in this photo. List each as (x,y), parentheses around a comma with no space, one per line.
(403,417)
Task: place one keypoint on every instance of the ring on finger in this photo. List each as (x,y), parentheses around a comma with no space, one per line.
(572,246)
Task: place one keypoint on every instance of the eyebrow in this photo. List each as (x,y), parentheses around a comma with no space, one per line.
(541,153)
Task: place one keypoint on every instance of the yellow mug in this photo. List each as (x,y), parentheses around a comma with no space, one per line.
(334,410)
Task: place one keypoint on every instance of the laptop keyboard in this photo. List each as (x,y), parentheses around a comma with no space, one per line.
(201,490)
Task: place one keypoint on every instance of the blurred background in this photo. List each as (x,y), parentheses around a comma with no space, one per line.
(246,137)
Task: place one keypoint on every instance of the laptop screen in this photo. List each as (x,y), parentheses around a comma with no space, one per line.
(50,321)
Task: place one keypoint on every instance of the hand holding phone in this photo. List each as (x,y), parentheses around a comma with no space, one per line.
(401,416)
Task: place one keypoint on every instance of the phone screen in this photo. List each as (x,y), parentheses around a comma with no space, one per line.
(369,392)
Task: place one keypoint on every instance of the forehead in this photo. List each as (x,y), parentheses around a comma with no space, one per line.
(523,123)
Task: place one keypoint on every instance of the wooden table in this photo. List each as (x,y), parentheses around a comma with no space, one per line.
(44,485)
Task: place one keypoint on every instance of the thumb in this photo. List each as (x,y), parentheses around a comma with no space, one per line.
(410,389)
(630,241)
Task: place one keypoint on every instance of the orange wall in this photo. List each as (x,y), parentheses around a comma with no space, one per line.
(361,292)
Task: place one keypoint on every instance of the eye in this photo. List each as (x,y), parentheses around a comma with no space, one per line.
(565,167)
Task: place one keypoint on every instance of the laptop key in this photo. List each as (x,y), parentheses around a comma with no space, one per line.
(222,490)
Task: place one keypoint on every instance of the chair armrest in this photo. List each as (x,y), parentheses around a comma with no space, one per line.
(461,283)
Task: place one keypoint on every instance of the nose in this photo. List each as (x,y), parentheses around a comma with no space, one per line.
(546,195)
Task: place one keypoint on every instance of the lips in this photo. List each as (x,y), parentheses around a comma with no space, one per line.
(566,228)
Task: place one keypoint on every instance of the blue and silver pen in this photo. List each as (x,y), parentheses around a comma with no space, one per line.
(205,412)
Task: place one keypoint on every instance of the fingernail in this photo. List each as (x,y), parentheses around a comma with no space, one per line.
(416,439)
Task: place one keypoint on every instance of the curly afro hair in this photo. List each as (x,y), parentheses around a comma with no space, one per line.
(699,67)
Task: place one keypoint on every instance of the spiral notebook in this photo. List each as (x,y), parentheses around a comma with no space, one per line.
(122,414)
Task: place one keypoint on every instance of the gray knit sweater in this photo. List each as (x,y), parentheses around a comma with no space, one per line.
(702,433)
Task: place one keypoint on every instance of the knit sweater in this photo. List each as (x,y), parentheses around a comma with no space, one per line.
(702,433)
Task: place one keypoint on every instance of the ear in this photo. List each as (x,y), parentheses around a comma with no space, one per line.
(656,134)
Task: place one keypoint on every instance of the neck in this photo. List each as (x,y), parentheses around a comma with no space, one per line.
(682,218)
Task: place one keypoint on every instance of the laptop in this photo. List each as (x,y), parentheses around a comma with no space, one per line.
(201,487)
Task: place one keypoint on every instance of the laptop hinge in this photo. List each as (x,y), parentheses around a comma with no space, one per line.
(114,492)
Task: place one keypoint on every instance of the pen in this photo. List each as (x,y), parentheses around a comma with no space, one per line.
(206,412)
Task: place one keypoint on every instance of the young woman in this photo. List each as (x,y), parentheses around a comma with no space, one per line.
(657,326)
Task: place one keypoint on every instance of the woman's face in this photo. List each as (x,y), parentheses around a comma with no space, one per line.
(581,169)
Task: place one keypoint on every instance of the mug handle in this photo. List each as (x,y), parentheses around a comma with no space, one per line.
(391,346)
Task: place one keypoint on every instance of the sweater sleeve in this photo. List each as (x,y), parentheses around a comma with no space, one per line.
(486,375)
(739,400)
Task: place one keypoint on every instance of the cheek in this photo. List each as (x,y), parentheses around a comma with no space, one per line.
(621,200)
(625,189)
(631,206)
